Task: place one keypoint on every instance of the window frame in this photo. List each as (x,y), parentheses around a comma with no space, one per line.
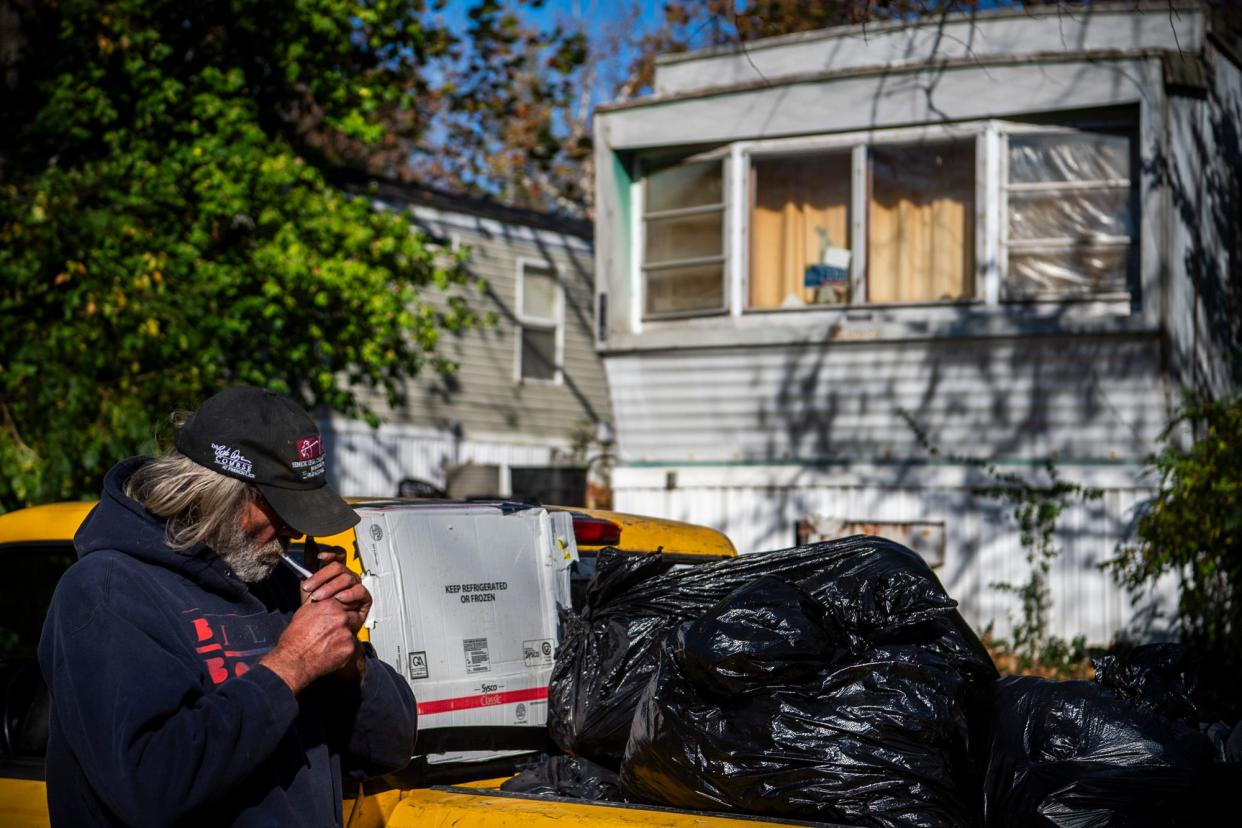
(641,217)
(1132,243)
(991,214)
(523,321)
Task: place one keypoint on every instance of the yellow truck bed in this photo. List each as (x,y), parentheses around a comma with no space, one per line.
(483,805)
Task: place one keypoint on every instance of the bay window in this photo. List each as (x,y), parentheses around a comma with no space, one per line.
(987,212)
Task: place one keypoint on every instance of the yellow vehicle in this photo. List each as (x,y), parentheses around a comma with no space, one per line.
(36,546)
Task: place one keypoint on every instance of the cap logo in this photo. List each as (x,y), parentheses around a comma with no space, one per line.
(310,462)
(310,448)
(233,461)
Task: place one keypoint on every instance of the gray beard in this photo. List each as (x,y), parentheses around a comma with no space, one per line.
(249,561)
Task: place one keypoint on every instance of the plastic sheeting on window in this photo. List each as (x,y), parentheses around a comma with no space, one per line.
(1068,156)
(1075,270)
(1081,215)
(1070,220)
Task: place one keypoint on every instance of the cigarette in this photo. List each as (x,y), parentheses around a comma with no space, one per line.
(302,571)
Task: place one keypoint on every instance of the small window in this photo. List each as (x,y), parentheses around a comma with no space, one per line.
(1070,225)
(683,232)
(921,223)
(540,314)
(800,231)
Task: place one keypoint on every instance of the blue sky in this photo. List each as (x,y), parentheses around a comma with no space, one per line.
(600,18)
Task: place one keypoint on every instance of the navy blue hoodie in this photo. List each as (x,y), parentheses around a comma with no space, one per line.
(161,714)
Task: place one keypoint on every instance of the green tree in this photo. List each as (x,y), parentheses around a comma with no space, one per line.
(167,226)
(1192,528)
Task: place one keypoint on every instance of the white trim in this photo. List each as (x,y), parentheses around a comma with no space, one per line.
(988,209)
(929,133)
(737,230)
(677,212)
(1062,186)
(555,323)
(859,196)
(1099,240)
(638,239)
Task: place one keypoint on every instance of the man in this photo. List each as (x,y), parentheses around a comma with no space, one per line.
(193,681)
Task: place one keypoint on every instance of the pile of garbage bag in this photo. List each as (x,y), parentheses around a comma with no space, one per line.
(837,682)
(1156,678)
(1074,753)
(801,725)
(610,650)
(824,682)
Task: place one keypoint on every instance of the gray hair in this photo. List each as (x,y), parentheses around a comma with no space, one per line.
(197,504)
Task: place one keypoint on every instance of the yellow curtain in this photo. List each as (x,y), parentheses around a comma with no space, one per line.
(920,223)
(791,198)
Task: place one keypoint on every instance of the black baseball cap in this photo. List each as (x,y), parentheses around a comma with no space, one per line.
(267,439)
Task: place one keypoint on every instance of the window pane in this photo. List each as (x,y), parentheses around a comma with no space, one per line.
(1079,214)
(539,353)
(921,222)
(539,290)
(686,185)
(1073,270)
(1073,214)
(1079,156)
(684,237)
(699,287)
(799,231)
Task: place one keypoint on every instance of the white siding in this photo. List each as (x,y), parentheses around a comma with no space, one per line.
(368,462)
(751,440)
(982,546)
(1204,181)
(1093,398)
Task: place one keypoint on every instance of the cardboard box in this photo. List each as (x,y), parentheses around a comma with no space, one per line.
(465,607)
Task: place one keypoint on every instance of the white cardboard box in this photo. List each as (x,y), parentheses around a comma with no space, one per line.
(464,606)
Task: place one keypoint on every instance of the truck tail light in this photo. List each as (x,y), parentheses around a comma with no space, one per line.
(593,531)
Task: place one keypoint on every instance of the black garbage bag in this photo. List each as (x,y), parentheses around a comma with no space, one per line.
(610,650)
(770,704)
(568,776)
(1073,754)
(1157,678)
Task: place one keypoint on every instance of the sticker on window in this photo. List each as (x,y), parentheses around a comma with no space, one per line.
(418,666)
(477,659)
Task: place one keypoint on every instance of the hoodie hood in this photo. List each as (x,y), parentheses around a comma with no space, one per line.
(124,525)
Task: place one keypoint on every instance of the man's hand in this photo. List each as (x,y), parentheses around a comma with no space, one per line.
(319,640)
(333,581)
